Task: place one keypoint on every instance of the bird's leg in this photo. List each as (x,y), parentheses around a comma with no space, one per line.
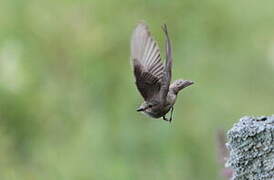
(170,118)
(171,113)
(164,118)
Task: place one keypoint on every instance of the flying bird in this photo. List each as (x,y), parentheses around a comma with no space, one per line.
(152,76)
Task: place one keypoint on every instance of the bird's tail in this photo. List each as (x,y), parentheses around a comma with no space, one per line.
(180,84)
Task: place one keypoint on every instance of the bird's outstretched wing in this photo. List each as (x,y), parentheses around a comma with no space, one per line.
(168,66)
(146,60)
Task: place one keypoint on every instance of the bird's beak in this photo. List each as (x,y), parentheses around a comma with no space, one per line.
(140,109)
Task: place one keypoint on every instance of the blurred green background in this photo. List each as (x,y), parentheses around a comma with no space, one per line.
(67,93)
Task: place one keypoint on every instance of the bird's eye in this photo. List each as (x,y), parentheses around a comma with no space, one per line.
(150,106)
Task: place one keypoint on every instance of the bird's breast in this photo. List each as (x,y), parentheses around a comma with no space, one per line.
(161,110)
(157,113)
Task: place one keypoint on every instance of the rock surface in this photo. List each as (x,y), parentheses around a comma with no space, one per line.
(251,146)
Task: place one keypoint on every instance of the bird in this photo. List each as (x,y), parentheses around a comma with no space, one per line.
(152,76)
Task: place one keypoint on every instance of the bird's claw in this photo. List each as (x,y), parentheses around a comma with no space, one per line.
(170,118)
(166,119)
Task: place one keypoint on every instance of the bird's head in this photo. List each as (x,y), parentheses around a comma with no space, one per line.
(145,106)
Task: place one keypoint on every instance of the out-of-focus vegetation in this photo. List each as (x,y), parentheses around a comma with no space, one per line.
(68,99)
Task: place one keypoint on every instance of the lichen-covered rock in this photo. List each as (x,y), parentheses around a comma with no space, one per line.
(251,146)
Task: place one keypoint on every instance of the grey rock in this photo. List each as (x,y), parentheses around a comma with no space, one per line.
(251,148)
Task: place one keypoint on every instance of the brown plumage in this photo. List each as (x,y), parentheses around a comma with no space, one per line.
(152,77)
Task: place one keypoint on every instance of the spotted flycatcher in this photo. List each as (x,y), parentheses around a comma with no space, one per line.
(152,76)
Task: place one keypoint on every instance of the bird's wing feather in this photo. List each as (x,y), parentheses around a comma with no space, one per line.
(168,65)
(146,60)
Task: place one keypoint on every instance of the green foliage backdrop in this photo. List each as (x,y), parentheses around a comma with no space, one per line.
(68,99)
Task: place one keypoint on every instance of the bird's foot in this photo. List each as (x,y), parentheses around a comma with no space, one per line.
(171,114)
(170,118)
(166,119)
